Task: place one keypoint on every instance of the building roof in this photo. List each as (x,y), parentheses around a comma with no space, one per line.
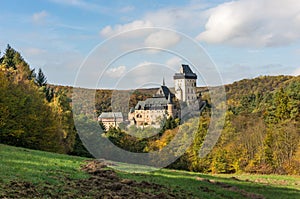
(163,91)
(185,73)
(140,105)
(110,115)
(152,103)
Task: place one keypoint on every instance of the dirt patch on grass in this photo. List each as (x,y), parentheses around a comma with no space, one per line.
(230,188)
(103,183)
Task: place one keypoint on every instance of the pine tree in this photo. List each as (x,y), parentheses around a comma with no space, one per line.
(41,79)
(8,59)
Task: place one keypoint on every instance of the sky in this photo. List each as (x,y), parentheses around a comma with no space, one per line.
(134,43)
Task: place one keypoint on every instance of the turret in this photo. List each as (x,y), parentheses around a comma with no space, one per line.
(170,106)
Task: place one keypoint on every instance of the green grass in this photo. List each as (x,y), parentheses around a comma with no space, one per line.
(193,182)
(37,166)
(269,186)
(43,168)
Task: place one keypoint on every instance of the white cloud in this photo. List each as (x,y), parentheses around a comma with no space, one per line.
(31,51)
(256,23)
(183,18)
(162,39)
(82,4)
(116,72)
(147,73)
(296,72)
(39,17)
(110,31)
(127,9)
(174,62)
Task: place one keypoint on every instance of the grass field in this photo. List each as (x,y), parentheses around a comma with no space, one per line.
(47,173)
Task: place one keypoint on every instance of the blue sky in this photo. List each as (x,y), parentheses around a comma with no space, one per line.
(244,38)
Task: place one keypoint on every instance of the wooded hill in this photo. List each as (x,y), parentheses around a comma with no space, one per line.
(261,132)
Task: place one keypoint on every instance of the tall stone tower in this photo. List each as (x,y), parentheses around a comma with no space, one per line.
(185,84)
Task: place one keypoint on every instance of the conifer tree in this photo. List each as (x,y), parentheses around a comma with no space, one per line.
(8,58)
(41,79)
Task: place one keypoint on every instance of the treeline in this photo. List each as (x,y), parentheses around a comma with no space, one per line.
(261,132)
(32,114)
(37,115)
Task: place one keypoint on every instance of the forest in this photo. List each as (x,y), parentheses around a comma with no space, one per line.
(261,132)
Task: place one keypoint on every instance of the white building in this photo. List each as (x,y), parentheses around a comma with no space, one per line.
(164,103)
(111,119)
(153,110)
(185,85)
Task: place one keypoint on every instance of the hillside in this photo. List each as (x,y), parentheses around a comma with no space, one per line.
(261,133)
(38,174)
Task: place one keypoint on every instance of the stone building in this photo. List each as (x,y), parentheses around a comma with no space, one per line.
(111,119)
(153,110)
(185,85)
(162,104)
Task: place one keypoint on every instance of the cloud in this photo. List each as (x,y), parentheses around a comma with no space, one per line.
(181,18)
(82,4)
(174,62)
(127,9)
(39,17)
(110,31)
(162,39)
(31,51)
(296,72)
(116,72)
(146,73)
(258,23)
(246,70)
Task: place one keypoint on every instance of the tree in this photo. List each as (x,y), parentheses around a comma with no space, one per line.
(63,113)
(1,58)
(49,93)
(8,59)
(26,119)
(41,79)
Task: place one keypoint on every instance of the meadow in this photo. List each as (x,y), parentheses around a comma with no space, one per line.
(44,174)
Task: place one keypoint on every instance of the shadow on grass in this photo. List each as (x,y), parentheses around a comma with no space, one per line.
(208,186)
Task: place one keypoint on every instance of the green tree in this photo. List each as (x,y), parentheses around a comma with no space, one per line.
(25,119)
(63,113)
(41,79)
(8,58)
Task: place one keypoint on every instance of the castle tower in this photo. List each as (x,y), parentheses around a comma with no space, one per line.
(170,109)
(185,84)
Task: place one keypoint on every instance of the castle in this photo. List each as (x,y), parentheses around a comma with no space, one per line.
(164,103)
